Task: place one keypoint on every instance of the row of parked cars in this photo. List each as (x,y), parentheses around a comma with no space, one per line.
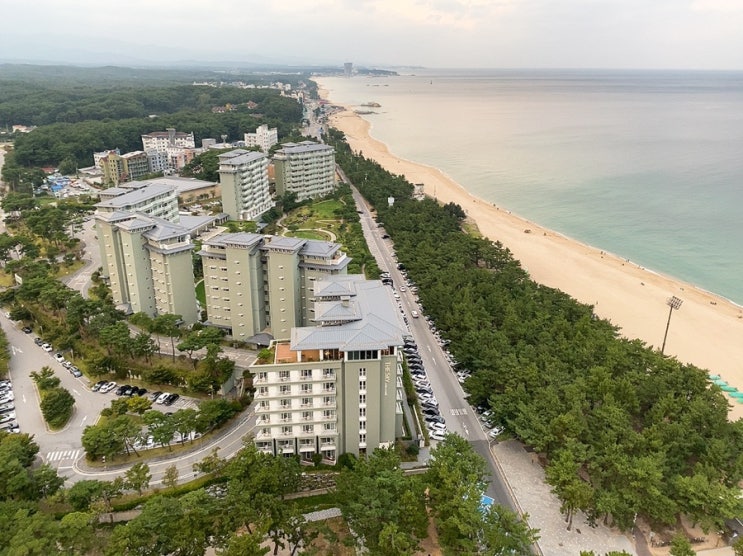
(7,408)
(58,357)
(435,423)
(105,386)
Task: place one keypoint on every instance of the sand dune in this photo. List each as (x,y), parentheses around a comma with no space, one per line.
(707,330)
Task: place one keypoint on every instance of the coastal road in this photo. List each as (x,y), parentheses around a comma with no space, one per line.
(460,417)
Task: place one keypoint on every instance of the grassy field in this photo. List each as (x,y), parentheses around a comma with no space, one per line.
(201,293)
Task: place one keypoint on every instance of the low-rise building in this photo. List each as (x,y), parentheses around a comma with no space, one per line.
(263,137)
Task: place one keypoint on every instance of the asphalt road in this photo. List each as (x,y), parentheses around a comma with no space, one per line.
(460,417)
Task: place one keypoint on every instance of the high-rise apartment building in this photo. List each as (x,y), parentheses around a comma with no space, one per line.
(306,168)
(243,176)
(335,387)
(255,283)
(263,137)
(148,264)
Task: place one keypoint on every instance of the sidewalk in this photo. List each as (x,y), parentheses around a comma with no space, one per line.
(526,479)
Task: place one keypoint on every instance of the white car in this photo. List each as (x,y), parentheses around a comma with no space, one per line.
(47,347)
(7,417)
(162,397)
(107,387)
(9,397)
(59,357)
(436,435)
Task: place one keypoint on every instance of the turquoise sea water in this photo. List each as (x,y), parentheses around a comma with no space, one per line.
(647,165)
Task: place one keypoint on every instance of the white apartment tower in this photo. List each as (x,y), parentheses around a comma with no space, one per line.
(263,137)
(243,176)
(306,168)
(335,387)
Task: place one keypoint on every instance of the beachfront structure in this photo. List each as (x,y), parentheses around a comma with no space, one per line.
(306,168)
(243,176)
(335,387)
(263,137)
(255,283)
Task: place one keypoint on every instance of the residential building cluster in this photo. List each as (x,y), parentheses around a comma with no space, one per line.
(333,382)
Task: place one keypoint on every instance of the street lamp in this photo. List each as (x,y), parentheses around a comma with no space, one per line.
(673,302)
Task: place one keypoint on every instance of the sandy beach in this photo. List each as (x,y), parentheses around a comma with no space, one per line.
(707,330)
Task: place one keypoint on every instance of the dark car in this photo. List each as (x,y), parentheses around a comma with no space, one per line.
(121,389)
(38,341)
(139,392)
(155,395)
(27,329)
(170,400)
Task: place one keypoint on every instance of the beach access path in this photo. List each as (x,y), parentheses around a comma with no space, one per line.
(706,331)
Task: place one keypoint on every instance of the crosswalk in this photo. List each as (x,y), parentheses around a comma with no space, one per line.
(462,411)
(63,455)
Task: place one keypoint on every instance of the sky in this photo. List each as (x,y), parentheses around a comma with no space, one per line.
(663,34)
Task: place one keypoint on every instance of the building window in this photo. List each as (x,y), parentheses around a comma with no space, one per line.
(306,388)
(283,375)
(362,373)
(286,417)
(362,399)
(307,416)
(328,414)
(328,387)
(286,431)
(305,374)
(362,439)
(263,391)
(262,376)
(306,402)
(263,404)
(328,400)
(308,429)
(286,403)
(362,412)
(285,390)
(362,385)
(328,373)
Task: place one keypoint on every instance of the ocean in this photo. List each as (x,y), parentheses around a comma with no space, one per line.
(645,164)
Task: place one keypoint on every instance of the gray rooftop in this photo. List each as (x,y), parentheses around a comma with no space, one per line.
(242,239)
(303,147)
(368,319)
(180,184)
(240,156)
(135,197)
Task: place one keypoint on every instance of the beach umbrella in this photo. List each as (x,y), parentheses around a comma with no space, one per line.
(714,377)
(720,382)
(729,388)
(736,394)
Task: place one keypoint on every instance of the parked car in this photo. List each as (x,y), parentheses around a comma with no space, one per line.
(139,391)
(162,397)
(74,371)
(27,329)
(38,341)
(155,395)
(47,347)
(436,435)
(106,388)
(7,417)
(10,426)
(171,399)
(7,397)
(59,357)
(6,407)
(97,386)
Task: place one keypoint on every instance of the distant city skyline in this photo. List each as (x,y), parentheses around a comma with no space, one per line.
(663,34)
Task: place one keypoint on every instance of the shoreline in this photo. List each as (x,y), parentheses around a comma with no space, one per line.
(706,331)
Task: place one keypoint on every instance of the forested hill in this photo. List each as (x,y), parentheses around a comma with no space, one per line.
(75,118)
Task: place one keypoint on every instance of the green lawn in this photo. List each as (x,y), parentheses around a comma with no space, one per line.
(201,294)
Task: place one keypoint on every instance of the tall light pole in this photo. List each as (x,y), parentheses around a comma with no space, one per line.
(673,302)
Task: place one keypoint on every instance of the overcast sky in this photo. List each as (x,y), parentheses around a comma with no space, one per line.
(705,34)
